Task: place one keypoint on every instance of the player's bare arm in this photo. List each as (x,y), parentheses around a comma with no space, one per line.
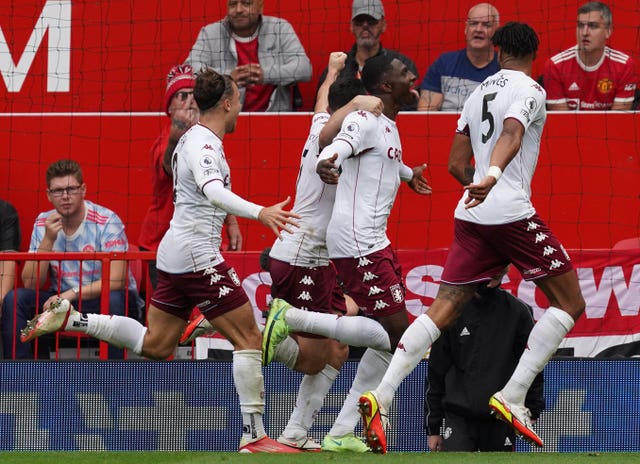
(460,157)
(418,182)
(505,150)
(336,64)
(276,218)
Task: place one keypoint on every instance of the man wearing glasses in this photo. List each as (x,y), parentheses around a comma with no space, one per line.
(590,76)
(75,224)
(454,75)
(367,25)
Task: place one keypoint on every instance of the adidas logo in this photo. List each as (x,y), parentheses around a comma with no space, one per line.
(548,250)
(465,332)
(507,442)
(573,87)
(375,290)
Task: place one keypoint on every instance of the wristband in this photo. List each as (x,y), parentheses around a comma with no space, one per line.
(495,172)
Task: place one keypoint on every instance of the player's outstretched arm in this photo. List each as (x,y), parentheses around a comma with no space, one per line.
(276,218)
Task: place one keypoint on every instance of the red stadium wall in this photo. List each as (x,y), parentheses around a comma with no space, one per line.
(119,52)
(586,184)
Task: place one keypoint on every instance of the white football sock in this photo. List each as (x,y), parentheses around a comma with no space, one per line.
(413,345)
(371,368)
(543,342)
(249,383)
(119,331)
(287,352)
(351,330)
(311,394)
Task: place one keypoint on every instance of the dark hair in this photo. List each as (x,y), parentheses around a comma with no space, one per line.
(601,8)
(210,87)
(343,90)
(375,69)
(63,168)
(264,259)
(516,39)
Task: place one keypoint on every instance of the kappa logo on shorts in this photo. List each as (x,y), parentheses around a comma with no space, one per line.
(215,278)
(541,237)
(305,296)
(380,305)
(369,276)
(233,275)
(224,291)
(396,293)
(548,250)
(307,280)
(364,261)
(532,226)
(555,264)
(375,290)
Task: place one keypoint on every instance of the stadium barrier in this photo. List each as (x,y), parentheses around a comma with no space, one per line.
(609,278)
(592,406)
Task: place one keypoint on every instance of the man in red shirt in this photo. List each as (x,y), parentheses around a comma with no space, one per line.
(591,76)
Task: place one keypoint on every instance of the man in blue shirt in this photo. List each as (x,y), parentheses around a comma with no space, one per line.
(454,75)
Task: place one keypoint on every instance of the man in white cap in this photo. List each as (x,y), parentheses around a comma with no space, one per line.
(367,24)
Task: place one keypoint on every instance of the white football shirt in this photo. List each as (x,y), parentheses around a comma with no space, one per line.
(369,181)
(307,247)
(193,240)
(506,94)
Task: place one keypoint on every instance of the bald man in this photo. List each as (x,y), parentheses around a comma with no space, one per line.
(454,75)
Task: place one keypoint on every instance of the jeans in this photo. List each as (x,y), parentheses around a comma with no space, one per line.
(25,306)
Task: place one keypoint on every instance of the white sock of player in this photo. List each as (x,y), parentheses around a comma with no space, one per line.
(371,368)
(351,330)
(119,331)
(249,383)
(412,347)
(543,341)
(311,394)
(287,352)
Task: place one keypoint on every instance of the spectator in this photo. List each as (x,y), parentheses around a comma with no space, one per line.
(590,76)
(367,25)
(74,225)
(9,241)
(468,363)
(182,110)
(191,269)
(454,75)
(262,54)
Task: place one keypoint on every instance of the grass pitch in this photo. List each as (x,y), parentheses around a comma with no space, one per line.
(165,457)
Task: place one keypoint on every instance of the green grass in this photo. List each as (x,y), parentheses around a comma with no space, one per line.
(164,457)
